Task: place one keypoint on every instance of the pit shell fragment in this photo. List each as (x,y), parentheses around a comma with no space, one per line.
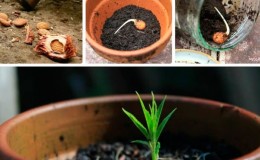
(66,47)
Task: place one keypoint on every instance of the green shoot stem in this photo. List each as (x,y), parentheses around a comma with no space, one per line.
(154,154)
(224,20)
(130,20)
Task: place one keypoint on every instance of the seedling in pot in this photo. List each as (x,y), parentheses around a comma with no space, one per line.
(154,129)
(221,37)
(139,24)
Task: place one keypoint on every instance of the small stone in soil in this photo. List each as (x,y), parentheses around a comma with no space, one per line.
(129,38)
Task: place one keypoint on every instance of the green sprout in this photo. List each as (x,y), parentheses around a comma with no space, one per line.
(154,129)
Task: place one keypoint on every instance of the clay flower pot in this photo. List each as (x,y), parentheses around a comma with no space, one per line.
(59,129)
(99,10)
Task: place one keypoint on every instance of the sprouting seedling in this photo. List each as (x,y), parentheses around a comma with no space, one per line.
(221,37)
(154,129)
(139,24)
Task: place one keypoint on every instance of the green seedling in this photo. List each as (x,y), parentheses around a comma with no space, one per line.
(154,127)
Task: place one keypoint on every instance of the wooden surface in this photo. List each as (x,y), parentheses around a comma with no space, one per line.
(247,51)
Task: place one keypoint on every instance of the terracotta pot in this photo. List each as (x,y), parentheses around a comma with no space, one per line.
(57,130)
(162,9)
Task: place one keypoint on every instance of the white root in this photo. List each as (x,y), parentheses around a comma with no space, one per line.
(227,26)
(130,20)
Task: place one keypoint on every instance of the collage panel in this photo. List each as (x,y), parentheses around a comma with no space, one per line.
(118,80)
(40,32)
(82,114)
(129,31)
(217,32)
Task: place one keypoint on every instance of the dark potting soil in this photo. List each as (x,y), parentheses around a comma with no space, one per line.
(204,150)
(210,20)
(129,38)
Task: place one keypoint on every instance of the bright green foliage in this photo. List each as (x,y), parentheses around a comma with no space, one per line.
(154,126)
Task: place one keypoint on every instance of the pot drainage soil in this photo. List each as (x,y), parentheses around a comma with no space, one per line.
(129,38)
(201,150)
(210,20)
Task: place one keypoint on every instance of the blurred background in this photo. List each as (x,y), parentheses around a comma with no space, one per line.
(25,88)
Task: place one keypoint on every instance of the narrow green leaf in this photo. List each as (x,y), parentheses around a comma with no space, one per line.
(147,115)
(151,111)
(162,125)
(160,110)
(141,142)
(151,123)
(157,148)
(154,116)
(153,126)
(137,123)
(154,105)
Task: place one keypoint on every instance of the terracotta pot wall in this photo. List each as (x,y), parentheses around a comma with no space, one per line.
(60,128)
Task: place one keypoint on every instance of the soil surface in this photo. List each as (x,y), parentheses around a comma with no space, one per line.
(210,20)
(64,17)
(130,38)
(202,150)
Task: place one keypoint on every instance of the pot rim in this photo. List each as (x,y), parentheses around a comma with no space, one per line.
(142,51)
(5,149)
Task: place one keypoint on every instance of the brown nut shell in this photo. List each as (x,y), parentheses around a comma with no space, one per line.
(5,23)
(140,25)
(220,37)
(43,32)
(57,46)
(20,22)
(43,25)
(4,16)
